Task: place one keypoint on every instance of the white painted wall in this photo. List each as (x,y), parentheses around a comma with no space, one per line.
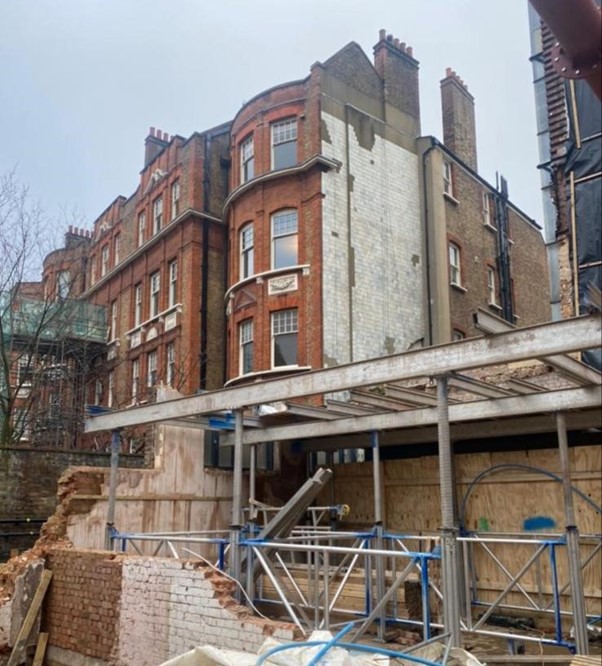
(385,233)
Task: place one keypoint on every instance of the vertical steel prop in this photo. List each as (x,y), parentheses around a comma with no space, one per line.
(572,541)
(378,526)
(115,441)
(449,531)
(236,526)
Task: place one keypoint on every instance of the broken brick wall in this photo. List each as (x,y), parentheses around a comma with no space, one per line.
(141,611)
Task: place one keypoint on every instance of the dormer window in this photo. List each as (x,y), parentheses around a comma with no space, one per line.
(284,143)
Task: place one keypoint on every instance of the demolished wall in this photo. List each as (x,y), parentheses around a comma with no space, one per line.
(179,494)
(105,608)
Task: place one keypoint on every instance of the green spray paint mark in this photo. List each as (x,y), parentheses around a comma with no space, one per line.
(483,524)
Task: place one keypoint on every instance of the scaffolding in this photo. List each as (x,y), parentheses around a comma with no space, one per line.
(308,571)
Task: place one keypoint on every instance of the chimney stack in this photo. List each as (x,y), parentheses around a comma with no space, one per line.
(459,129)
(395,64)
(154,143)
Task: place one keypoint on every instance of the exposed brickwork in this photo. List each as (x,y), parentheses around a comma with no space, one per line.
(134,611)
(83,602)
(28,486)
(457,109)
(479,251)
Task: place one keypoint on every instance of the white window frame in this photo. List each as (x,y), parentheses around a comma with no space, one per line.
(110,396)
(448,178)
(138,304)
(63,284)
(141,227)
(247,251)
(247,159)
(172,268)
(492,286)
(284,322)
(175,199)
(135,379)
(154,294)
(245,338)
(104,260)
(98,392)
(283,131)
(113,333)
(170,363)
(455,264)
(487,218)
(151,368)
(157,214)
(116,249)
(288,229)
(93,270)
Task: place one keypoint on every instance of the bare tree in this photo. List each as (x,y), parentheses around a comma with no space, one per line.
(42,327)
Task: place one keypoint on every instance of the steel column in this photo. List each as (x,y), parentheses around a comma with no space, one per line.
(115,441)
(235,554)
(449,554)
(378,524)
(572,541)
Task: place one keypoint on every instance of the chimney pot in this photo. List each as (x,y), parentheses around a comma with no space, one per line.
(402,46)
(382,34)
(151,131)
(70,229)
(410,51)
(448,71)
(396,42)
(165,136)
(389,38)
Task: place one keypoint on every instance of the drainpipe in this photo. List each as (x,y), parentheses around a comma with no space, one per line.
(427,241)
(204,270)
(237,521)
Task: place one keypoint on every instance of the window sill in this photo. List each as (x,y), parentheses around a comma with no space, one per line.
(450,198)
(458,287)
(260,277)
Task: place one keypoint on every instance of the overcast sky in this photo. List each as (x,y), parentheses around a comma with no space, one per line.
(81,81)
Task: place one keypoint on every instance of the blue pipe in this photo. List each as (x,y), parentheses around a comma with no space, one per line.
(347,646)
(345,630)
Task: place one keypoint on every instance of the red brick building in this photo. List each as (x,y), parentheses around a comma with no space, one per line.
(317,228)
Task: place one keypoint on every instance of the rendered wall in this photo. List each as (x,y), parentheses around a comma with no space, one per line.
(179,494)
(372,242)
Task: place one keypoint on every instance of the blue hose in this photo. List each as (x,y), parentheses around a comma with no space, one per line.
(347,646)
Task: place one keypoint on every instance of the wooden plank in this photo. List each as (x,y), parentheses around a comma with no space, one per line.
(582,660)
(30,618)
(38,658)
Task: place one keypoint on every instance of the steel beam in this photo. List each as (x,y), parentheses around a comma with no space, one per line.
(521,425)
(516,345)
(479,410)
(565,365)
